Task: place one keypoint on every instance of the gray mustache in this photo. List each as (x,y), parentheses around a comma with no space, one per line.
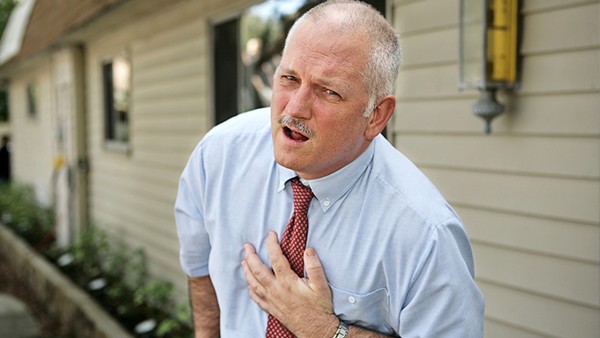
(291,122)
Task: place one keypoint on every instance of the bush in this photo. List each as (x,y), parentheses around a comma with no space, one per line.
(113,273)
(20,211)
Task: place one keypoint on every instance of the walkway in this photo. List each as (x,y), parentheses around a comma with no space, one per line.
(15,319)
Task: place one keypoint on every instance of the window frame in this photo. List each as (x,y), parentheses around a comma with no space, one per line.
(112,117)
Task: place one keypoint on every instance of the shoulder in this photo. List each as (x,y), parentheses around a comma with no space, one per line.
(243,141)
(399,177)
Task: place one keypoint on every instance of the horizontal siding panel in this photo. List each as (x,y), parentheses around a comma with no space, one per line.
(190,66)
(430,48)
(530,155)
(432,116)
(159,149)
(431,83)
(570,72)
(173,123)
(531,6)
(411,16)
(128,216)
(166,160)
(158,176)
(571,28)
(566,115)
(180,104)
(169,90)
(551,317)
(154,61)
(562,199)
(184,32)
(562,239)
(494,329)
(137,189)
(572,281)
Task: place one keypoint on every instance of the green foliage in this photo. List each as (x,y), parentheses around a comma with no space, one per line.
(20,211)
(6,7)
(129,294)
(175,326)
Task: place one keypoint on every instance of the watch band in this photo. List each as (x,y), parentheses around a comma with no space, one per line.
(342,330)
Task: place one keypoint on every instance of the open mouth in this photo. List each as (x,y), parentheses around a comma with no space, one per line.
(294,135)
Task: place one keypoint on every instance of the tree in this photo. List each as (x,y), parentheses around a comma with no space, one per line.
(6,7)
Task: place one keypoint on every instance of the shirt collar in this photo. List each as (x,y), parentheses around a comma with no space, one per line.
(329,189)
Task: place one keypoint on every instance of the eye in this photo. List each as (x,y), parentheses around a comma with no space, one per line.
(290,78)
(331,92)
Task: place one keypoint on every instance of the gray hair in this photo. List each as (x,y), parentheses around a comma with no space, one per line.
(381,70)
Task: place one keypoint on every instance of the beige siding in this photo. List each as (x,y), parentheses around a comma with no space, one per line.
(132,193)
(32,138)
(530,192)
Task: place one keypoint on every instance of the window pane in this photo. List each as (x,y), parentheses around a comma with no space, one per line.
(116,75)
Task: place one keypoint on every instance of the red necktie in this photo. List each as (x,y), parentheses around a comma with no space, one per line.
(293,243)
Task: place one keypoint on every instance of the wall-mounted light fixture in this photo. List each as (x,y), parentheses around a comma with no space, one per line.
(488,52)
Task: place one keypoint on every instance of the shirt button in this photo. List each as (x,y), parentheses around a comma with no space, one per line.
(326,202)
(352,300)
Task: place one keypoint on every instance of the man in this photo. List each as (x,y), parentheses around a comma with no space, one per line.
(385,254)
(5,159)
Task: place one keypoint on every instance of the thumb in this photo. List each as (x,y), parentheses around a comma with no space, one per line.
(315,273)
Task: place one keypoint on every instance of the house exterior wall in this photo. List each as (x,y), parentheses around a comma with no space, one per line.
(529,193)
(32,137)
(132,192)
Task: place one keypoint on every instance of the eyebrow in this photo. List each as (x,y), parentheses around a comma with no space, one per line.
(319,80)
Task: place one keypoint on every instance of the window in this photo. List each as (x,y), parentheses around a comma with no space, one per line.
(246,51)
(3,105)
(116,75)
(31,101)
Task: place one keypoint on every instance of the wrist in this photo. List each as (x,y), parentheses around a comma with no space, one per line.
(342,330)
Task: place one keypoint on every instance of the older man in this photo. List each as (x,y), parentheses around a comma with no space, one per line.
(307,222)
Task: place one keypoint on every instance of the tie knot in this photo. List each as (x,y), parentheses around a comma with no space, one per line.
(302,195)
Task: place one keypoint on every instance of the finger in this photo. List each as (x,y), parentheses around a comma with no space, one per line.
(249,250)
(315,272)
(279,262)
(255,266)
(255,288)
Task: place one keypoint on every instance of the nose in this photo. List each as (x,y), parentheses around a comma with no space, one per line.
(300,103)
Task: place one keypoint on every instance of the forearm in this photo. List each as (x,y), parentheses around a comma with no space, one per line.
(326,327)
(205,308)
(359,332)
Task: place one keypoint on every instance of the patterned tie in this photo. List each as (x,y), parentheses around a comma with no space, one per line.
(293,243)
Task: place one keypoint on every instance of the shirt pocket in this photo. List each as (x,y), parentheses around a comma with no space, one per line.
(369,310)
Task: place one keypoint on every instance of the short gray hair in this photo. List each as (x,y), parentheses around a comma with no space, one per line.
(381,70)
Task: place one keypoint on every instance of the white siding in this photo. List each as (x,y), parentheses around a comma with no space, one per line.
(132,194)
(530,192)
(32,138)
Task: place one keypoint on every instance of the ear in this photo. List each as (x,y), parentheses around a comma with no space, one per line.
(380,116)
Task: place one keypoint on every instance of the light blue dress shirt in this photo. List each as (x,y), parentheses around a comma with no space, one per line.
(395,254)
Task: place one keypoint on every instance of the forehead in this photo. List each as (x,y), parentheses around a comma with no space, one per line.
(327,49)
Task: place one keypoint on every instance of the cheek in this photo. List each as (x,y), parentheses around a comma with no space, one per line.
(279,97)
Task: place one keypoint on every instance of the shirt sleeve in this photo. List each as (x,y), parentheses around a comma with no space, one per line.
(193,237)
(443,300)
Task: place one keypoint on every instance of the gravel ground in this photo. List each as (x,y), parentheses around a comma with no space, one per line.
(49,326)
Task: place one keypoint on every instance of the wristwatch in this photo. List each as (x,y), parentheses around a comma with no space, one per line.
(342,330)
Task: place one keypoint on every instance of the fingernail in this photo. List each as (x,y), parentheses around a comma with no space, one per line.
(310,252)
